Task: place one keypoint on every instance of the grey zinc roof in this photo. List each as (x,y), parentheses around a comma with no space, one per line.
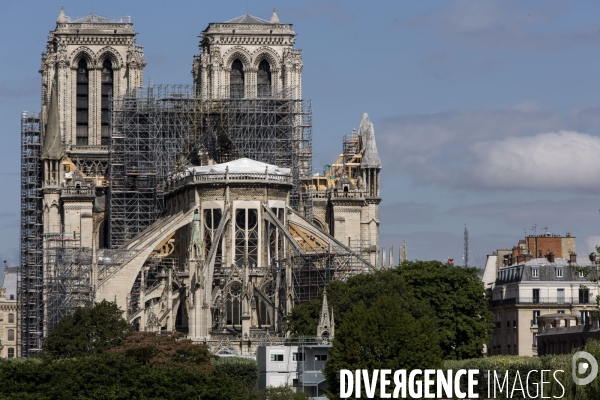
(247,19)
(521,272)
(370,156)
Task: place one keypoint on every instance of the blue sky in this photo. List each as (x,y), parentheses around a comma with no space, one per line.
(486,113)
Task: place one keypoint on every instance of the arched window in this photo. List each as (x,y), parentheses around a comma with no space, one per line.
(236,80)
(82,119)
(246,237)
(11,318)
(107,92)
(234,305)
(212,218)
(263,79)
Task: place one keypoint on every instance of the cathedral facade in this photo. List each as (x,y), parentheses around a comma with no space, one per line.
(235,246)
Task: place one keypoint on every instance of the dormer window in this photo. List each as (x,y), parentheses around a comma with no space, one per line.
(535,272)
(559,272)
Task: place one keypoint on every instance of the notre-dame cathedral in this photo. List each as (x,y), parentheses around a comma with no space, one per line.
(194,207)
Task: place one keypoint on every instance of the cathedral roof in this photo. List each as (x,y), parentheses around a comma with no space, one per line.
(247,19)
(91,19)
(240,166)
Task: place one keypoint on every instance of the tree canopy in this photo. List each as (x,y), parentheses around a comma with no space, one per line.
(113,375)
(343,296)
(460,309)
(88,331)
(149,348)
(452,296)
(383,336)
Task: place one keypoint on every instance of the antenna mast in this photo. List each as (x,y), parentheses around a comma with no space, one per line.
(466,252)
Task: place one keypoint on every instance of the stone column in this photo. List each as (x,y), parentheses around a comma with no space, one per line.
(142,301)
(170,324)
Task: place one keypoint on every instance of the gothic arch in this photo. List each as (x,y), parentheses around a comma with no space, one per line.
(85,53)
(318,223)
(239,53)
(266,53)
(112,54)
(128,272)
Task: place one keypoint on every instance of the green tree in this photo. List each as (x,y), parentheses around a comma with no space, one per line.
(285,392)
(383,336)
(456,296)
(88,331)
(243,371)
(342,296)
(149,348)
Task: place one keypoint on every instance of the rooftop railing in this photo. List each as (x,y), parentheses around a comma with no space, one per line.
(542,300)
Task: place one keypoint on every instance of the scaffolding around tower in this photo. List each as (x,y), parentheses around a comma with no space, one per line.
(67,280)
(160,129)
(30,277)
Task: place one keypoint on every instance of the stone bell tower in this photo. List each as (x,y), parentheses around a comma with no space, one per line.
(90,60)
(248,57)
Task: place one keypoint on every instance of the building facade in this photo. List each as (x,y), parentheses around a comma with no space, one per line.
(533,288)
(563,333)
(300,364)
(8,314)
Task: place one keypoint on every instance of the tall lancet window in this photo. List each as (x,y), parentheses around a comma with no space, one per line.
(82,119)
(246,237)
(236,80)
(107,92)
(263,79)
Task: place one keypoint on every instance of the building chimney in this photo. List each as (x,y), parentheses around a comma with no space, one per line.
(593,257)
(572,258)
(567,322)
(505,261)
(520,258)
(550,257)
(528,257)
(578,320)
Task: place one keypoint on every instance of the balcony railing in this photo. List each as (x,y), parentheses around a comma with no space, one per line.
(541,300)
(534,324)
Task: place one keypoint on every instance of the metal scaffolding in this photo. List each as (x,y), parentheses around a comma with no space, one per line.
(159,129)
(67,283)
(315,266)
(30,281)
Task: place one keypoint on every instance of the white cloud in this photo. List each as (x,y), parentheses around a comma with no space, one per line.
(590,244)
(508,24)
(499,148)
(563,160)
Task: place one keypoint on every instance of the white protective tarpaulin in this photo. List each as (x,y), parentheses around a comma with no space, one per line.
(240,166)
